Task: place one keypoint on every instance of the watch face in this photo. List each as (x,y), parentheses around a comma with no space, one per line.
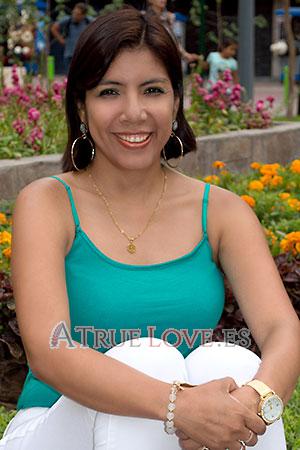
(272,408)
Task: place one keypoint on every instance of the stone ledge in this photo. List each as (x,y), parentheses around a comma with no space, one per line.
(17,173)
(280,143)
(237,149)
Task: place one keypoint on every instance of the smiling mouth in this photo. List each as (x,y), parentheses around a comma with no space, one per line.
(134,138)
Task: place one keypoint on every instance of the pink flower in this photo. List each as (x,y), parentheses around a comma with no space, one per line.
(57,98)
(34,138)
(202,91)
(259,105)
(266,115)
(198,78)
(14,76)
(221,104)
(227,75)
(237,87)
(19,125)
(33,114)
(208,98)
(271,100)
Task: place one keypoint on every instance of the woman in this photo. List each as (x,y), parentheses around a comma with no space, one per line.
(221,60)
(119,256)
(159,7)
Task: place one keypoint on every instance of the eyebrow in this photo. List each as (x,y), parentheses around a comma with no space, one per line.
(145,83)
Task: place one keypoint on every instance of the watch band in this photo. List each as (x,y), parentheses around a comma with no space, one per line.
(260,387)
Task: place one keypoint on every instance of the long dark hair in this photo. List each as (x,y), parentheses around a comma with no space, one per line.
(97,47)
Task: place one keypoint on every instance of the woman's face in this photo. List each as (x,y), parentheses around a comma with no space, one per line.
(130,113)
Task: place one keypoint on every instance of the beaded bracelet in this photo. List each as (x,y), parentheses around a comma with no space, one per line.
(169,423)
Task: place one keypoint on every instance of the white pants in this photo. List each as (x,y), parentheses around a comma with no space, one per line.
(67,425)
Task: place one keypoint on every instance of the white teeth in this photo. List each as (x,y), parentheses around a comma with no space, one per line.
(134,137)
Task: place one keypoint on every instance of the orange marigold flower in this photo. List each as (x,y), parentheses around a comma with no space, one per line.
(218,164)
(295,166)
(291,243)
(5,237)
(269,169)
(214,179)
(3,219)
(248,199)
(270,235)
(276,180)
(284,195)
(256,185)
(266,179)
(294,203)
(7,252)
(255,165)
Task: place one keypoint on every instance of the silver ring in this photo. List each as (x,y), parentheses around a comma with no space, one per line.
(243,444)
(204,448)
(250,437)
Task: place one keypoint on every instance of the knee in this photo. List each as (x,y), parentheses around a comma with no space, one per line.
(222,359)
(153,356)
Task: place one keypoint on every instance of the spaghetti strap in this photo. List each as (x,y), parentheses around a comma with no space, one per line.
(204,208)
(73,207)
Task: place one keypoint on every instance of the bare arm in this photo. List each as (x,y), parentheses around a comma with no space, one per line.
(265,305)
(55,30)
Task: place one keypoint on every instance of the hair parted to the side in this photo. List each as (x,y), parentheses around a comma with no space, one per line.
(97,47)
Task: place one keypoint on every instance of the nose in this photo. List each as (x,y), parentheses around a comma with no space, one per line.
(133,109)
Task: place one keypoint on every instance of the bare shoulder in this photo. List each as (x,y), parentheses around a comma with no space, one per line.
(221,201)
(227,212)
(41,205)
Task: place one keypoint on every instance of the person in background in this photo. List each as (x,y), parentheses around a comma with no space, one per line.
(221,60)
(167,18)
(68,30)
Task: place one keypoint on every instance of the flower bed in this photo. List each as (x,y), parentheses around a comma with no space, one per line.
(32,119)
(217,108)
(273,192)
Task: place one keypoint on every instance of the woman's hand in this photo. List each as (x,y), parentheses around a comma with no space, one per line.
(208,415)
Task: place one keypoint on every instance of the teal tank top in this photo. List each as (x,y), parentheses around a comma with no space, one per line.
(173,300)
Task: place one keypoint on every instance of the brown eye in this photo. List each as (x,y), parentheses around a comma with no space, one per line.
(154,91)
(108,93)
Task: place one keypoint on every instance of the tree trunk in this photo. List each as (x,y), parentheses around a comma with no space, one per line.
(292,58)
(219,21)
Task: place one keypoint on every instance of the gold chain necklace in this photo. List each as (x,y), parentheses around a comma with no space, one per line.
(131,247)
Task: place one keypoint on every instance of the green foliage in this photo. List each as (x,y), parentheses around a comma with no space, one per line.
(5,418)
(291,420)
(113,6)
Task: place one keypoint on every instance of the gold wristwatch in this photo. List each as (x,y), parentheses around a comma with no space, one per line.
(270,407)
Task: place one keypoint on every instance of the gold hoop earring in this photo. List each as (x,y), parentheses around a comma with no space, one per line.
(83,129)
(173,135)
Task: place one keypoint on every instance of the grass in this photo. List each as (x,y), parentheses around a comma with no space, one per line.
(291,420)
(285,119)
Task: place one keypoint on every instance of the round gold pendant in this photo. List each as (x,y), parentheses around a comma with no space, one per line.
(131,248)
